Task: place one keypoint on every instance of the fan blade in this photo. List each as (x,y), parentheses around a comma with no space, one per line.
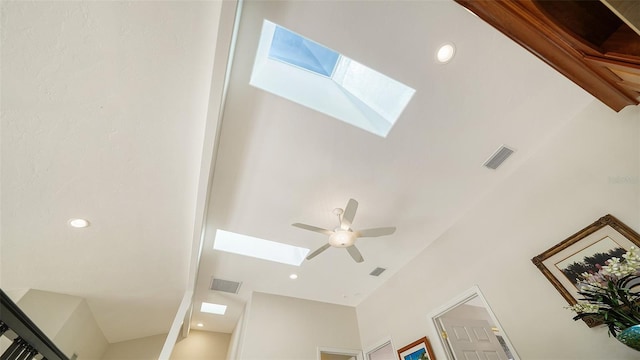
(318,251)
(376,232)
(313,228)
(349,214)
(355,254)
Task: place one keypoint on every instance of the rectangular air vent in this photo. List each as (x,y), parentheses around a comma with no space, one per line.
(498,157)
(377,271)
(225,285)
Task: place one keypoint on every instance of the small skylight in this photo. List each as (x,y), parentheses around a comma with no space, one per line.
(305,72)
(259,248)
(213,308)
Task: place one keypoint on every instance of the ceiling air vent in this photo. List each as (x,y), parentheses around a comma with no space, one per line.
(498,157)
(377,271)
(225,285)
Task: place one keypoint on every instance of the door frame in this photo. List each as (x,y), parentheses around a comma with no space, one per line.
(338,351)
(473,292)
(380,345)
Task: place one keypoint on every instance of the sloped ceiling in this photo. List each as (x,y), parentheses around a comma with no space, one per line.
(281,163)
(103,115)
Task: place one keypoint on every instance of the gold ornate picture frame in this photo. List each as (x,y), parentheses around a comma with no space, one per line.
(585,251)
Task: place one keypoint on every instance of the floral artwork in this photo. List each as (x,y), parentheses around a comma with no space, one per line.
(611,292)
(602,244)
(589,260)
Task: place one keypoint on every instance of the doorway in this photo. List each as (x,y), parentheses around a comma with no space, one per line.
(469,329)
(325,353)
(382,352)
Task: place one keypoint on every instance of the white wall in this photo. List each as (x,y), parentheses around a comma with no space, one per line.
(202,345)
(81,335)
(48,310)
(146,348)
(198,345)
(285,328)
(67,320)
(236,337)
(569,183)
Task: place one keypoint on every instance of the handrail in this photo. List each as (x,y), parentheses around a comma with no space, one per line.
(19,322)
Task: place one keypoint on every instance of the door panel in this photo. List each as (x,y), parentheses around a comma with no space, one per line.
(472,340)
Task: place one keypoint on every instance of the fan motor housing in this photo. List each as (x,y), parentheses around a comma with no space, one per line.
(343,238)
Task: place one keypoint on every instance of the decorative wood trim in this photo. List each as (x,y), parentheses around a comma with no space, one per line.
(529,26)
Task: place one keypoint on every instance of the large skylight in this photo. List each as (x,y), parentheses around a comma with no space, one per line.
(259,248)
(303,71)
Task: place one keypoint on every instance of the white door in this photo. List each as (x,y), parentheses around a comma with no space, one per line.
(472,340)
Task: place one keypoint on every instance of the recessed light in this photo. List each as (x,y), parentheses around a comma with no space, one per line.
(445,53)
(199,324)
(78,223)
(293,276)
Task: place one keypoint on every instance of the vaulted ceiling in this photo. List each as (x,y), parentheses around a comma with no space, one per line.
(104,111)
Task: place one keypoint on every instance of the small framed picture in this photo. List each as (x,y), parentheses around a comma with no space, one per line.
(585,251)
(417,350)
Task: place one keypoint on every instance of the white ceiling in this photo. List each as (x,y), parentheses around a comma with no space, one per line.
(103,116)
(103,113)
(280,163)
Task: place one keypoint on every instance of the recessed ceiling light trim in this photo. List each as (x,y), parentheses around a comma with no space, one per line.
(78,223)
(445,53)
(259,248)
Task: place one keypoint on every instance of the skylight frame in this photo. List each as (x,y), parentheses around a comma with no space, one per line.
(375,112)
(211,308)
(254,247)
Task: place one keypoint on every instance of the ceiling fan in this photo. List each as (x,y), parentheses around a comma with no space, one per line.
(343,236)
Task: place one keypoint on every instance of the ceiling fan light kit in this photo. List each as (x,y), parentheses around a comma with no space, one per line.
(343,236)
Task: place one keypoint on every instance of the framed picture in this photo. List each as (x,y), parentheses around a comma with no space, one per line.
(419,349)
(585,251)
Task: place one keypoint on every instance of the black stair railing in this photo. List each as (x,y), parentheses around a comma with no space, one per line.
(30,340)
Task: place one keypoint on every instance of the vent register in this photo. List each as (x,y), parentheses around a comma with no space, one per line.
(232,287)
(377,271)
(498,157)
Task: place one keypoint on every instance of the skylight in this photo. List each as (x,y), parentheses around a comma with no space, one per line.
(293,49)
(259,248)
(303,71)
(213,308)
